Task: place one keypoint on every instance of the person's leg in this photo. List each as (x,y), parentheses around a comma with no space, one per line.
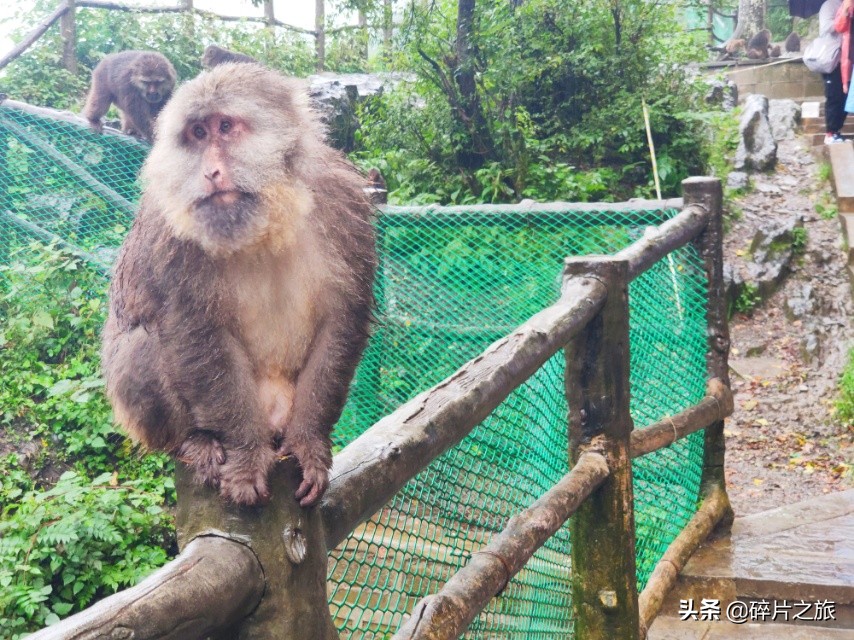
(834,104)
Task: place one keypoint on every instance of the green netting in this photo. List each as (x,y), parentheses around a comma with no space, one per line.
(449,285)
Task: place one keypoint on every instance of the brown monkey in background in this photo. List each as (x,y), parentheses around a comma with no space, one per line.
(792,42)
(757,46)
(242,296)
(215,55)
(139,83)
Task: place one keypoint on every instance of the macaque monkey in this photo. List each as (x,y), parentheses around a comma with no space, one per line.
(139,83)
(757,46)
(215,55)
(775,51)
(732,49)
(242,297)
(792,42)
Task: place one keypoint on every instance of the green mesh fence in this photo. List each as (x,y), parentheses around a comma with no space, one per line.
(449,285)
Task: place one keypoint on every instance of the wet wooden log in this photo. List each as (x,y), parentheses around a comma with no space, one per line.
(717,405)
(658,241)
(214,583)
(604,578)
(375,466)
(447,614)
(714,508)
(289,543)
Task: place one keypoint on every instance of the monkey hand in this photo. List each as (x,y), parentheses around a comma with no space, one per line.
(315,459)
(97,126)
(203,451)
(243,477)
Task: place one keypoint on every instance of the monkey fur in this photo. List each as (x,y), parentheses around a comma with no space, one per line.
(215,55)
(732,49)
(139,83)
(758,45)
(792,42)
(242,297)
(775,52)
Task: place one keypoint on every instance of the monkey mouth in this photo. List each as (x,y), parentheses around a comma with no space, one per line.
(224,198)
(153,98)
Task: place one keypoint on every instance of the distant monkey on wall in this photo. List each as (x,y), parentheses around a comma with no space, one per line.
(215,55)
(139,83)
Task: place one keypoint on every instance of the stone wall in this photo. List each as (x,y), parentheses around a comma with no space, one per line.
(775,79)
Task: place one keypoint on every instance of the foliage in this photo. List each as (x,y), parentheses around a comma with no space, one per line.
(559,97)
(799,241)
(748,299)
(80,540)
(55,413)
(845,399)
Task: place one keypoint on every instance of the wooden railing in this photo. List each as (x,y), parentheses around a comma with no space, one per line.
(65,14)
(261,573)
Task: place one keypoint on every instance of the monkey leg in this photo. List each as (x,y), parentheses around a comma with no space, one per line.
(321,392)
(136,117)
(204,452)
(97,104)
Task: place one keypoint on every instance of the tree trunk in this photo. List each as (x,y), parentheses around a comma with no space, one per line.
(470,111)
(388,16)
(320,34)
(68,29)
(751,19)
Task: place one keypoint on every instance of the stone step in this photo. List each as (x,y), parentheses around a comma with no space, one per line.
(672,628)
(842,166)
(817,139)
(846,221)
(812,109)
(801,552)
(817,125)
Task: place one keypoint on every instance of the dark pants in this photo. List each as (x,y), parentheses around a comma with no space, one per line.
(834,104)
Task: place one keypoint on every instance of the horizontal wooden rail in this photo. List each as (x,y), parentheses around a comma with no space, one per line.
(213,584)
(576,213)
(714,507)
(375,466)
(658,241)
(717,405)
(447,614)
(72,119)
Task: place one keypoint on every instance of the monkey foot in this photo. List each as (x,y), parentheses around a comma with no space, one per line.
(204,452)
(244,478)
(314,461)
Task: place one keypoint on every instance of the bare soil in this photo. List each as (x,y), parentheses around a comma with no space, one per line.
(784,442)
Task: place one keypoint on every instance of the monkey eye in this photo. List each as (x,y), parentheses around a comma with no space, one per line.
(199,132)
(225,126)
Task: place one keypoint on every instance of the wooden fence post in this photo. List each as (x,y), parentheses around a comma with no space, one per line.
(707,192)
(68,30)
(290,545)
(602,532)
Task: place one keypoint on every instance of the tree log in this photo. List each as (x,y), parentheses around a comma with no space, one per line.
(372,468)
(447,614)
(34,35)
(214,583)
(289,543)
(715,406)
(715,506)
(658,241)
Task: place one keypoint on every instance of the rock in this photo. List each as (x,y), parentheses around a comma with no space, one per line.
(772,253)
(723,93)
(754,349)
(757,149)
(337,96)
(810,347)
(733,282)
(801,303)
(769,189)
(784,117)
(737,180)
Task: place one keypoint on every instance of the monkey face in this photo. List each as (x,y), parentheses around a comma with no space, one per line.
(228,144)
(153,82)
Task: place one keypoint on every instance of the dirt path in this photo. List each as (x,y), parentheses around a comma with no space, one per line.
(783,442)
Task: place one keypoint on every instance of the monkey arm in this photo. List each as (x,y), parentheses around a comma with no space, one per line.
(321,392)
(97,102)
(138,115)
